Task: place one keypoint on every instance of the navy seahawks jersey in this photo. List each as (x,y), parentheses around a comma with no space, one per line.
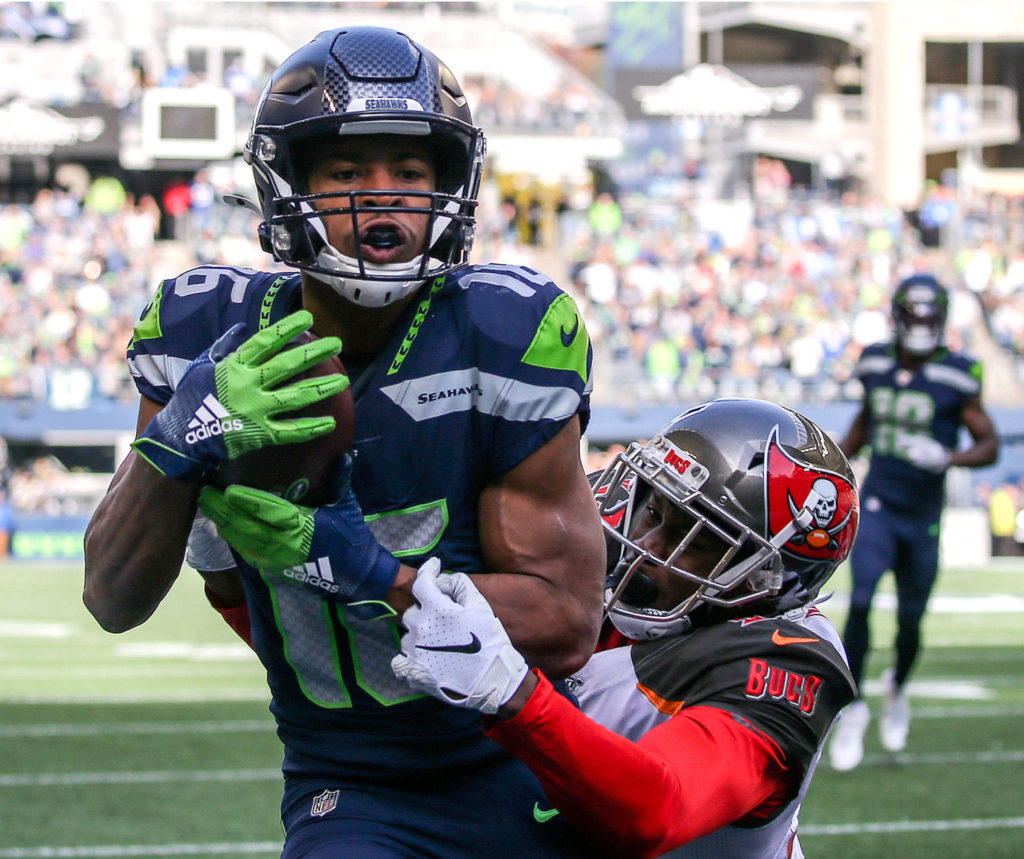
(927,401)
(488,364)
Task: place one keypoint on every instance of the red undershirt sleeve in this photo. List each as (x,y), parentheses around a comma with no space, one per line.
(237,616)
(699,771)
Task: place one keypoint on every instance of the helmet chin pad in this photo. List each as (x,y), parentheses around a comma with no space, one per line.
(370,284)
(920,339)
(645,624)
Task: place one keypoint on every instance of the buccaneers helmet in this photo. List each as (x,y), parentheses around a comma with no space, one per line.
(358,81)
(919,307)
(773,494)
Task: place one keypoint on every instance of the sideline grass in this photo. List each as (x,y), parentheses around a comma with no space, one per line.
(159,739)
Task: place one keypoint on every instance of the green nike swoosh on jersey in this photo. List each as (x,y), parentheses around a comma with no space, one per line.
(543,815)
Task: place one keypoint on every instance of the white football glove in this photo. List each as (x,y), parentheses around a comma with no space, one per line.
(926,453)
(455,648)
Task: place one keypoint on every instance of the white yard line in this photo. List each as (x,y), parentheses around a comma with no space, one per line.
(241,848)
(998,756)
(11,780)
(116,729)
(257,847)
(238,726)
(907,826)
(151,777)
(157,696)
(943,603)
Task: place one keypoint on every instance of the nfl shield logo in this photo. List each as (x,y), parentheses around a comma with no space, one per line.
(324,803)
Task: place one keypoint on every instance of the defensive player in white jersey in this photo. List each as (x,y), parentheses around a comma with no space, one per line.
(700,723)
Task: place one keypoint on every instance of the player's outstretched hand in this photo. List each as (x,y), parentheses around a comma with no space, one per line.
(230,398)
(455,648)
(926,453)
(330,549)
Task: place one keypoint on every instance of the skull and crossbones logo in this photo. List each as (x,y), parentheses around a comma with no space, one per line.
(823,502)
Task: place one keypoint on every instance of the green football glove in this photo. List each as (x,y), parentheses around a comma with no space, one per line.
(230,398)
(330,549)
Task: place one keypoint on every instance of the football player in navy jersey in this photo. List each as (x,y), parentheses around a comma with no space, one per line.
(917,397)
(701,721)
(471,388)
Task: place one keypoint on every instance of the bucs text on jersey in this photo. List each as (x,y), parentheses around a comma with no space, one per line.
(488,364)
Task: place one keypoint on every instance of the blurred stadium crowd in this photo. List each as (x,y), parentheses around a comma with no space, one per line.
(777,303)
(780,302)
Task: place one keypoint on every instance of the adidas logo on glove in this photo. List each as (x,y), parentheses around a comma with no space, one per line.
(211,419)
(316,573)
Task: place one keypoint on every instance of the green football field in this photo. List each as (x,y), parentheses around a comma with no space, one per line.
(158,742)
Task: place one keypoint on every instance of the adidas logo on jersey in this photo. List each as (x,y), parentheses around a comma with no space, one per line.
(316,574)
(211,419)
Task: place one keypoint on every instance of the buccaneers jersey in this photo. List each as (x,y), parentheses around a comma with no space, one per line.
(488,365)
(781,680)
(927,401)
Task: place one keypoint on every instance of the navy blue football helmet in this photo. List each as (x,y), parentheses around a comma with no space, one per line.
(919,308)
(358,81)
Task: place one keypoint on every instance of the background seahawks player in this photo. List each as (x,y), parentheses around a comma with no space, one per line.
(367,166)
(917,396)
(701,737)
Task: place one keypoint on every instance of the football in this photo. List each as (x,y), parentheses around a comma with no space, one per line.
(300,472)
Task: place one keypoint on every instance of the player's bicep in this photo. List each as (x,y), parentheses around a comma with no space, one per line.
(542,511)
(148,409)
(857,435)
(723,758)
(985,449)
(544,553)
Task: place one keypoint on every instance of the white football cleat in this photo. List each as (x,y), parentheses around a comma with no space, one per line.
(895,722)
(846,750)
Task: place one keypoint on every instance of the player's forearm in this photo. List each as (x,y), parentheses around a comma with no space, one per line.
(553,621)
(555,628)
(984,452)
(135,544)
(623,800)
